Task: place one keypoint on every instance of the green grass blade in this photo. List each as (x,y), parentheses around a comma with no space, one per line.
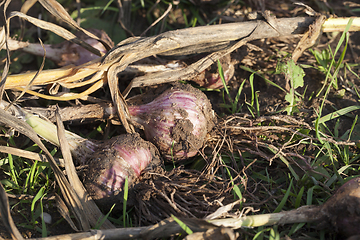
(236,188)
(274,234)
(355,89)
(333,60)
(36,198)
(32,174)
(239,92)
(317,124)
(309,196)
(349,68)
(235,110)
(286,162)
(126,192)
(342,38)
(352,127)
(251,80)
(101,221)
(337,114)
(257,104)
(14,175)
(43,224)
(263,77)
(336,176)
(237,191)
(182,225)
(333,161)
(221,73)
(299,197)
(283,201)
(339,63)
(197,16)
(295,228)
(260,233)
(106,6)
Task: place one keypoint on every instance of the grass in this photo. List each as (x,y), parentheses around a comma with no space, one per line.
(182,225)
(126,194)
(329,169)
(232,107)
(32,179)
(304,170)
(235,188)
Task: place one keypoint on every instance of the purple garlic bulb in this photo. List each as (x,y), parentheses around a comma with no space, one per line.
(177,121)
(125,156)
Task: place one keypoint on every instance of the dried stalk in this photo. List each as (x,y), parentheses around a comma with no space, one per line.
(180,42)
(185,41)
(72,199)
(169,227)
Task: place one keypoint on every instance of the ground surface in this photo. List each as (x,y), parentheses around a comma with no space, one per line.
(246,142)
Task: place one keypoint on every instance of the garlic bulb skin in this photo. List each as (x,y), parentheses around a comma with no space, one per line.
(121,157)
(177,121)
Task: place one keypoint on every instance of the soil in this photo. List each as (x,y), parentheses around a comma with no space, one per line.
(196,195)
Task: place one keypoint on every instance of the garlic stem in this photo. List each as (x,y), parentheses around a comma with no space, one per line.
(302,214)
(80,147)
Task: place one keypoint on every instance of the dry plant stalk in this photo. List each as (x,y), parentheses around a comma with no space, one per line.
(93,212)
(179,42)
(222,39)
(72,199)
(6,215)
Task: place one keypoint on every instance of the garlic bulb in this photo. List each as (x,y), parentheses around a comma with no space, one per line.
(121,157)
(177,121)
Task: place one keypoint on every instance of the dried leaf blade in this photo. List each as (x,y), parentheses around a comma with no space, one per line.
(6,216)
(60,31)
(89,211)
(24,128)
(58,11)
(117,98)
